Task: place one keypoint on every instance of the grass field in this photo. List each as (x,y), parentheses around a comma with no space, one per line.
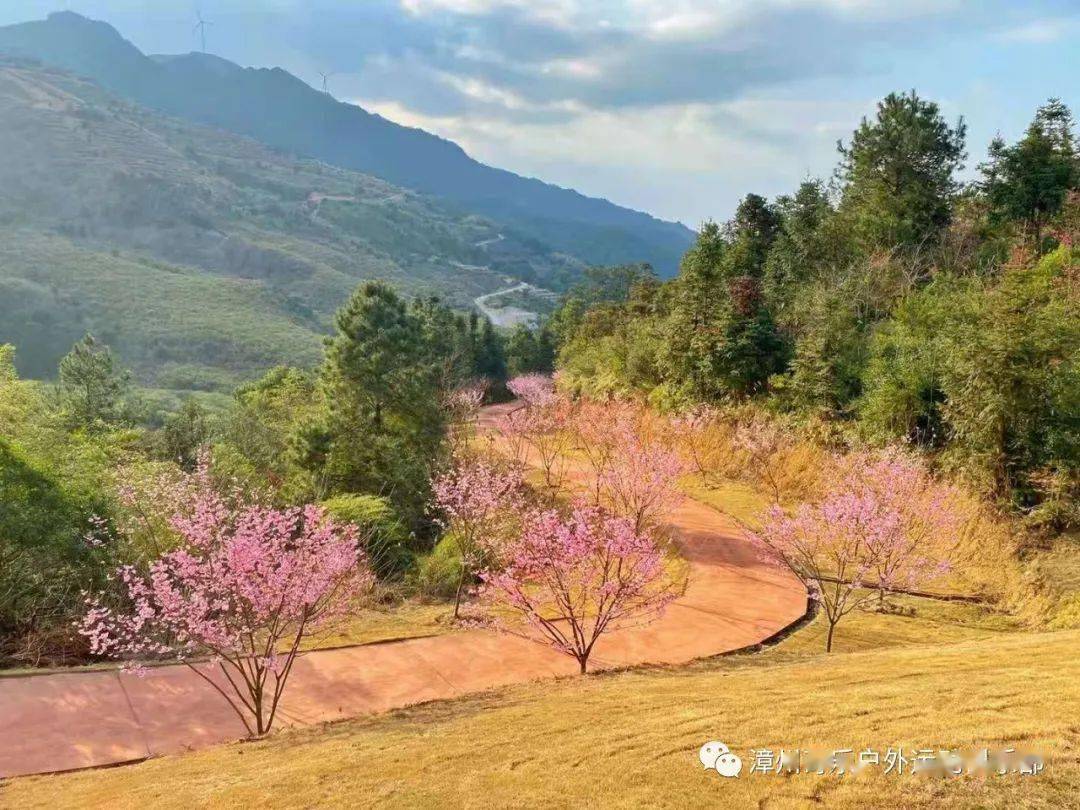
(631,738)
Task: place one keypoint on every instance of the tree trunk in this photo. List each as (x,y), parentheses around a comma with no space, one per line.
(583,662)
(828,640)
(457,595)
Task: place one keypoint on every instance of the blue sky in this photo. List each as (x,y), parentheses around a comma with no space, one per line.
(676,107)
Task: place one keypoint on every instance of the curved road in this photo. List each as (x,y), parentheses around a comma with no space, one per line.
(60,721)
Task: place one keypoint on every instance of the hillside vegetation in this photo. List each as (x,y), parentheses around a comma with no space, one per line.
(214,91)
(200,255)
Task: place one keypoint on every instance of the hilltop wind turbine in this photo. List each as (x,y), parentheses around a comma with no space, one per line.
(325,80)
(200,26)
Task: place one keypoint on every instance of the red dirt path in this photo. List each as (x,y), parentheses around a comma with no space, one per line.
(62,721)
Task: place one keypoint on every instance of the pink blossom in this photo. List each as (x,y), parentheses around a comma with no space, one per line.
(475,500)
(635,470)
(245,585)
(532,389)
(884,524)
(574,578)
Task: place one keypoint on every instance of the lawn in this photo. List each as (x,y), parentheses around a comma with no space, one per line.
(631,738)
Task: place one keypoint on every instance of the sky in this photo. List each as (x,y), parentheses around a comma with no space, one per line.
(675,107)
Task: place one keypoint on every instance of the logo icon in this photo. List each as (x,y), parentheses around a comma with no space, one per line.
(716,755)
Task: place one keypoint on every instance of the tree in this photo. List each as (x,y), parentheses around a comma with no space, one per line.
(721,336)
(577,577)
(538,426)
(382,424)
(898,173)
(882,525)
(92,389)
(49,550)
(246,586)
(462,407)
(635,470)
(804,248)
(263,430)
(530,350)
(1028,181)
(183,433)
(751,234)
(476,501)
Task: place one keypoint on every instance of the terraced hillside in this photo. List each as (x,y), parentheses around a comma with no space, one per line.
(203,256)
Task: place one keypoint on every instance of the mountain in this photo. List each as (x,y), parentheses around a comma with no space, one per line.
(200,255)
(280,110)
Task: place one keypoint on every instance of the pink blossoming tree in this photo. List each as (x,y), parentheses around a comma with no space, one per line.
(574,578)
(884,525)
(539,427)
(532,389)
(635,470)
(931,515)
(463,405)
(245,585)
(477,501)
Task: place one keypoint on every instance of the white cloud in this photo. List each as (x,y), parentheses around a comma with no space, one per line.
(1037,31)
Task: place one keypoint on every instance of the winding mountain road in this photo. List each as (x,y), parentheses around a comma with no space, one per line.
(61,721)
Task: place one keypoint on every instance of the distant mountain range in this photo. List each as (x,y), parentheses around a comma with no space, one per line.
(203,256)
(282,111)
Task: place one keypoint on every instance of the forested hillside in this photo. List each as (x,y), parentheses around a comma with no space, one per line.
(199,255)
(893,304)
(281,110)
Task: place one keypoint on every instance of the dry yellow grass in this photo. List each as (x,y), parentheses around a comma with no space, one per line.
(630,739)
(408,619)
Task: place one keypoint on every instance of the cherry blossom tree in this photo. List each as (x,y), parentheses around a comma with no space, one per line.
(244,586)
(463,404)
(706,440)
(635,470)
(575,577)
(883,525)
(764,445)
(533,389)
(477,501)
(831,547)
(539,427)
(931,515)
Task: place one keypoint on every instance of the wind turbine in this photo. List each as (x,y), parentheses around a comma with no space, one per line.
(200,26)
(325,80)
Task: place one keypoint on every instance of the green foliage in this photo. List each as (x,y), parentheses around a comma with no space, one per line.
(991,376)
(898,174)
(438,572)
(530,350)
(1028,181)
(385,537)
(721,335)
(46,558)
(383,425)
(185,431)
(92,390)
(260,439)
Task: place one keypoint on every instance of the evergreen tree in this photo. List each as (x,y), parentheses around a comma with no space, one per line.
(898,174)
(1028,181)
(383,423)
(92,389)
